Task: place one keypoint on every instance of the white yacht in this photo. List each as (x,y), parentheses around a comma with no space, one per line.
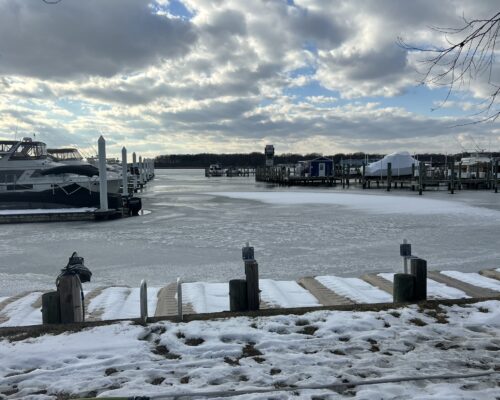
(30,178)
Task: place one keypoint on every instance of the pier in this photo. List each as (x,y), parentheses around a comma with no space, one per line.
(425,177)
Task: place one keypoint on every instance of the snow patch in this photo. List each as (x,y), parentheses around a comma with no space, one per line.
(382,204)
(475,279)
(355,289)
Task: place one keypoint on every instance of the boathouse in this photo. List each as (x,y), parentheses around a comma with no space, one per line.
(321,166)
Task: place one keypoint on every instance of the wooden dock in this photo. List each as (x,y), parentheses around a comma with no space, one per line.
(424,178)
(166,297)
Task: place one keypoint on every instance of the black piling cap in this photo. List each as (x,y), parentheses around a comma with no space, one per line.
(75,266)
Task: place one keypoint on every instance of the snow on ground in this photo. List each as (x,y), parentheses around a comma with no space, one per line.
(320,347)
(385,204)
(435,290)
(121,302)
(355,289)
(473,278)
(22,312)
(48,211)
(214,297)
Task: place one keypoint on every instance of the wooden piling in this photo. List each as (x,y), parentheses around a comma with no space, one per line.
(420,177)
(389,176)
(418,268)
(252,280)
(70,299)
(496,176)
(452,177)
(51,309)
(403,288)
(238,297)
(144,300)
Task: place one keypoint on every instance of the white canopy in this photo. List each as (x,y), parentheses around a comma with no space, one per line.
(401,165)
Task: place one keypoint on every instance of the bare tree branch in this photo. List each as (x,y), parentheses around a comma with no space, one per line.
(470,55)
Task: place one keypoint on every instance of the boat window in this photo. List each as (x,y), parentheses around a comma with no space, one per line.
(6,147)
(65,154)
(29,151)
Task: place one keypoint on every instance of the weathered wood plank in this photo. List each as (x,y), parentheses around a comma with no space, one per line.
(490,273)
(325,296)
(379,282)
(470,290)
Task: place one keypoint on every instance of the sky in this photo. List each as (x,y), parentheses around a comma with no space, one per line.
(192,76)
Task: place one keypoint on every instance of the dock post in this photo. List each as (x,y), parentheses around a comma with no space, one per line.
(69,288)
(363,176)
(252,278)
(403,288)
(452,178)
(124,172)
(103,179)
(144,301)
(134,170)
(420,177)
(141,171)
(51,309)
(180,314)
(389,176)
(496,176)
(238,300)
(460,176)
(419,271)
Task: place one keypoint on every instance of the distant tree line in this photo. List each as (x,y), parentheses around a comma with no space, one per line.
(256,159)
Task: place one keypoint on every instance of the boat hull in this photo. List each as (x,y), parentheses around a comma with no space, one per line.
(68,196)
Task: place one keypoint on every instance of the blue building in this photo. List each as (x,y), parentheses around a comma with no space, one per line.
(321,166)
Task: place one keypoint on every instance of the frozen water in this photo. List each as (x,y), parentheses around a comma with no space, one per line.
(196,231)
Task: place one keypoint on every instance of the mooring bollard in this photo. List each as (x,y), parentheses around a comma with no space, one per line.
(179,300)
(144,301)
(419,271)
(403,288)
(238,300)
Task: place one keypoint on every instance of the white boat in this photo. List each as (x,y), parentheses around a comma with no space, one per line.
(476,166)
(30,178)
(402,164)
(214,170)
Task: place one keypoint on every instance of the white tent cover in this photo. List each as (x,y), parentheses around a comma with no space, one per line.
(401,165)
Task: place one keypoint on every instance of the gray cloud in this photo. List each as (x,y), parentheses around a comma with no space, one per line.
(91,37)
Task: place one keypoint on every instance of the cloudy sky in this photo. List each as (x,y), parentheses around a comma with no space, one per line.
(189,76)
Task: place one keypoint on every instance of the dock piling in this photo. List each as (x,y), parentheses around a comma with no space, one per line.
(180,314)
(103,180)
(124,172)
(403,288)
(144,301)
(419,271)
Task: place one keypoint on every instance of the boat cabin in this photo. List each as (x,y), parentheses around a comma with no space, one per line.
(26,149)
(65,154)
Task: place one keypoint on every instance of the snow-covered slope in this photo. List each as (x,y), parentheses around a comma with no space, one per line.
(317,348)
